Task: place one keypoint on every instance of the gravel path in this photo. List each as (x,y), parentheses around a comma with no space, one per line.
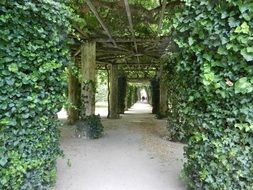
(133,155)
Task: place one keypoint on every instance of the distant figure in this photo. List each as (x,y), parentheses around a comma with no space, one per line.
(143,98)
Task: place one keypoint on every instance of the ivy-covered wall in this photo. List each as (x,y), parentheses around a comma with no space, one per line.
(215,40)
(178,86)
(33,55)
(131,96)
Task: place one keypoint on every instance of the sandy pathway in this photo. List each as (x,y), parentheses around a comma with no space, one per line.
(133,155)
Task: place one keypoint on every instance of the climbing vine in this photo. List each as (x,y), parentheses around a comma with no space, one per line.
(131,96)
(178,84)
(216,54)
(33,55)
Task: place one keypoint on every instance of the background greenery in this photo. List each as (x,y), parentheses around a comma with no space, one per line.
(33,55)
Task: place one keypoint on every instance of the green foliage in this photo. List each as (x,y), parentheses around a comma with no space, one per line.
(177,83)
(33,55)
(102,86)
(215,43)
(132,96)
(92,126)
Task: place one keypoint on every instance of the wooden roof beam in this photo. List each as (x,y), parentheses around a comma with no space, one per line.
(127,40)
(80,31)
(160,25)
(153,65)
(129,16)
(139,80)
(93,9)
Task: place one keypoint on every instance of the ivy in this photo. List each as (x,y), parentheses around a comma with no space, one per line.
(215,54)
(131,95)
(179,129)
(90,127)
(33,55)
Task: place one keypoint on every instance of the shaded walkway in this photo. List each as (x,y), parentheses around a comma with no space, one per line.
(133,155)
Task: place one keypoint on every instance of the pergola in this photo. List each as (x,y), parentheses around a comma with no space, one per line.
(122,37)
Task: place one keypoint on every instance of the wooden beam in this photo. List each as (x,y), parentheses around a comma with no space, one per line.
(77,52)
(139,70)
(93,9)
(126,40)
(153,65)
(160,24)
(80,31)
(117,47)
(139,80)
(129,16)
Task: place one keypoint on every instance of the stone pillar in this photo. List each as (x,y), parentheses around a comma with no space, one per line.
(155,93)
(74,95)
(88,72)
(126,102)
(163,106)
(113,112)
(122,85)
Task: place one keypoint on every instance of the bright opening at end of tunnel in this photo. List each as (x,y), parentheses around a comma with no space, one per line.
(140,107)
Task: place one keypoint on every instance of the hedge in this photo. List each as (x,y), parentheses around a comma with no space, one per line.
(216,50)
(131,95)
(33,55)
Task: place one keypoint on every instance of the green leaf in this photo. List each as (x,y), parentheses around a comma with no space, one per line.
(4,121)
(250,49)
(245,28)
(243,86)
(10,82)
(3,161)
(222,51)
(247,54)
(190,41)
(244,126)
(13,68)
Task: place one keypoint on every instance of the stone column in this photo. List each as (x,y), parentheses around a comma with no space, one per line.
(122,83)
(163,106)
(88,72)
(155,93)
(74,95)
(113,113)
